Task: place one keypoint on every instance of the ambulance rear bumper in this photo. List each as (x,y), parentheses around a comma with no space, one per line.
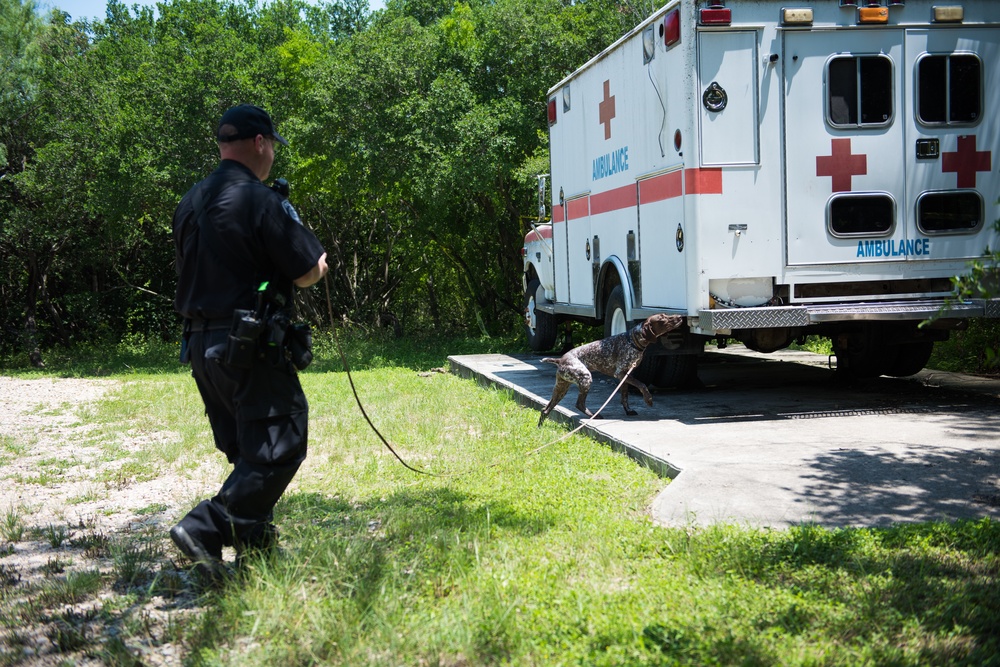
(804,316)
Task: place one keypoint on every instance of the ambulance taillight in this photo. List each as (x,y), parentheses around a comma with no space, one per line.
(672,28)
(552,111)
(715,15)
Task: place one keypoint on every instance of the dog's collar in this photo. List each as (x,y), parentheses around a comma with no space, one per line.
(635,337)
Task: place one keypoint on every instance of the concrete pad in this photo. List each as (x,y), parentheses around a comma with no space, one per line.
(775,440)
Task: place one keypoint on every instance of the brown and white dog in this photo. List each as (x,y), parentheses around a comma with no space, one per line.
(614,356)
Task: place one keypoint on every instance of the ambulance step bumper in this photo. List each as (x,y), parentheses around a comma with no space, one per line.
(803,316)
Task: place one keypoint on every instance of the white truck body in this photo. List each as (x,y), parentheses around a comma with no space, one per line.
(770,172)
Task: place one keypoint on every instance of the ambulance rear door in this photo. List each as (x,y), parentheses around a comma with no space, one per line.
(844,143)
(952,181)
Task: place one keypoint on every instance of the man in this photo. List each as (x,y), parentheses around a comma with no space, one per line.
(232,234)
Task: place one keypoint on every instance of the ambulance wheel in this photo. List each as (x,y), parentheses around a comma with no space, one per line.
(614,313)
(676,370)
(540,327)
(910,359)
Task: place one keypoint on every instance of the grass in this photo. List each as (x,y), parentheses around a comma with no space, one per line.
(506,558)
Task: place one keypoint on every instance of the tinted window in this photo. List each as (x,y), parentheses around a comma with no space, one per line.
(941,212)
(949,89)
(869,215)
(860,90)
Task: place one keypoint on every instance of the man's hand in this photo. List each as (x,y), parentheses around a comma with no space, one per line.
(315,274)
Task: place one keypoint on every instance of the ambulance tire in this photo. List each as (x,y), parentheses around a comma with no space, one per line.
(910,359)
(867,354)
(676,371)
(615,321)
(539,327)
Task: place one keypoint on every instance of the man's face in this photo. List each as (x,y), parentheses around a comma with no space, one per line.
(265,151)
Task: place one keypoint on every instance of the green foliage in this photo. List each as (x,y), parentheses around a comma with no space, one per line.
(973,350)
(415,134)
(977,348)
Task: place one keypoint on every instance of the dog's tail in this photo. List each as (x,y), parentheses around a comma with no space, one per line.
(551,360)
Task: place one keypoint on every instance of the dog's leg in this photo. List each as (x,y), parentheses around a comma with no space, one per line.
(643,389)
(584,380)
(624,394)
(562,386)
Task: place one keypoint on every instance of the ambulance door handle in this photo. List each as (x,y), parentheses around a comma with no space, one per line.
(715,98)
(928,149)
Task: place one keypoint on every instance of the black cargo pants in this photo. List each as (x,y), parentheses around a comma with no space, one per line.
(259,420)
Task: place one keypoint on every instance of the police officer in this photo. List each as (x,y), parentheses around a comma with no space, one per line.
(232,233)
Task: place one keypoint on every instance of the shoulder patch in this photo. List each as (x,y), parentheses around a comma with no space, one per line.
(290,210)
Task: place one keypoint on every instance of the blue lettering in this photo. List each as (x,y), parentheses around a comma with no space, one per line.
(891,248)
(611,163)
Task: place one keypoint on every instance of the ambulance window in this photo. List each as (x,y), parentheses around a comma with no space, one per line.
(949,89)
(867,215)
(860,91)
(943,212)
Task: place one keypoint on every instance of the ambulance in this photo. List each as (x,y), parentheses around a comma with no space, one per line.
(772,170)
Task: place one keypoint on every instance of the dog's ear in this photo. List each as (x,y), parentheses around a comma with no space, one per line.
(647,331)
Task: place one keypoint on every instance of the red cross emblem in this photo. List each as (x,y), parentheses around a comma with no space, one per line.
(966,161)
(607,109)
(841,165)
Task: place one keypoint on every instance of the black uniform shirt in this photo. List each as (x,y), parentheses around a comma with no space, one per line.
(246,237)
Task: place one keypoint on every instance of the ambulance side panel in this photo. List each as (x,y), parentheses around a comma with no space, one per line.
(663,108)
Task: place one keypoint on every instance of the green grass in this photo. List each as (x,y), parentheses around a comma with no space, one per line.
(511,558)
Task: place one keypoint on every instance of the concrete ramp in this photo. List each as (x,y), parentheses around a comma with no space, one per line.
(775,440)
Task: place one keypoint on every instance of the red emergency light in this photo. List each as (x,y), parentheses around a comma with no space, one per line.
(672,28)
(552,111)
(715,15)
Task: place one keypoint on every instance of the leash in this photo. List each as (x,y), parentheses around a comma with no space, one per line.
(357,399)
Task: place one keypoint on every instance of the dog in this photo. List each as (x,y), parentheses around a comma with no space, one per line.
(614,356)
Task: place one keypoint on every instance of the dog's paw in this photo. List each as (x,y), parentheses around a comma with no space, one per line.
(631,413)
(649,400)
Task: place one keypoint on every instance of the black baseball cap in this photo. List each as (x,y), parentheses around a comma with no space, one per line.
(249,121)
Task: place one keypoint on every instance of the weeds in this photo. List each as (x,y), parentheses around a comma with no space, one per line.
(54,565)
(74,587)
(11,526)
(10,576)
(133,560)
(55,535)
(94,545)
(69,630)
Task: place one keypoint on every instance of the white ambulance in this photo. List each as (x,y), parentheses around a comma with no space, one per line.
(772,170)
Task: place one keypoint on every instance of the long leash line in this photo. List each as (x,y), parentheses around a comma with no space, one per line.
(357,399)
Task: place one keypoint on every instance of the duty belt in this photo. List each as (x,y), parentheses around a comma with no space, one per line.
(199,325)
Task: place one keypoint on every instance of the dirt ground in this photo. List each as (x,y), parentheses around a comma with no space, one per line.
(64,505)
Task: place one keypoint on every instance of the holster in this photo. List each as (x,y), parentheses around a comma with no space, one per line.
(241,346)
(288,343)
